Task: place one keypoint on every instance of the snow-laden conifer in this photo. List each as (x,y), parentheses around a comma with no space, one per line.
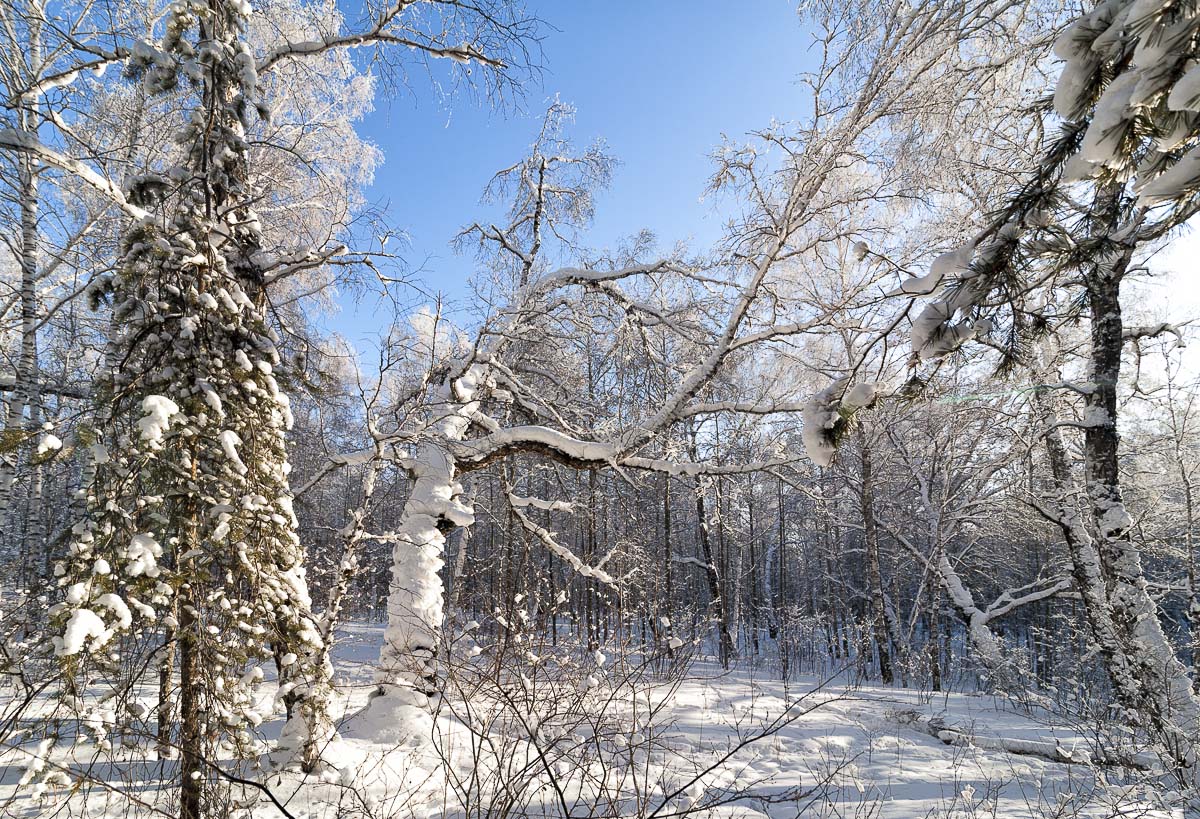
(189,512)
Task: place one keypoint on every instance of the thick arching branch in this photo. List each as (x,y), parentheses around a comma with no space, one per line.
(14,140)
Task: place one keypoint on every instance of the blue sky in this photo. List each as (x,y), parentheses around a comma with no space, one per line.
(659,80)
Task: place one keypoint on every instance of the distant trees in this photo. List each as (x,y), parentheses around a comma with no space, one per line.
(507,393)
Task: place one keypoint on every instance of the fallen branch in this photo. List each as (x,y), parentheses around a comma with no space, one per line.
(1049,751)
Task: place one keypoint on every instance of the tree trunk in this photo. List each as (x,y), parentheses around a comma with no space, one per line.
(725,648)
(18,430)
(589,588)
(752,591)
(166,709)
(1179,432)
(668,557)
(353,535)
(1146,676)
(191,732)
(667,601)
(985,644)
(866,500)
(1193,588)
(1146,673)
(778,598)
(730,571)
(407,677)
(935,662)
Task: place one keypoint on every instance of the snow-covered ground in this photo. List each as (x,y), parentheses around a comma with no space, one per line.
(606,741)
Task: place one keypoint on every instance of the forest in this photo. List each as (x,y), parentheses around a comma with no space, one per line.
(881,503)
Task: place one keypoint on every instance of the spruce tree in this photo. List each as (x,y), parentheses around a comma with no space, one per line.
(190,532)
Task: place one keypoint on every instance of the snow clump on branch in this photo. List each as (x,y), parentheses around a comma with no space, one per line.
(827,416)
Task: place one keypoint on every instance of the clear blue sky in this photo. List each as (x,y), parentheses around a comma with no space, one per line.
(659,80)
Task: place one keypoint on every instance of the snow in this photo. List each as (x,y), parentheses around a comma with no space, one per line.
(1146,44)
(538,503)
(247,73)
(49,443)
(117,606)
(76,594)
(1114,520)
(1176,181)
(934,334)
(23,141)
(820,416)
(1095,416)
(1185,95)
(147,612)
(213,400)
(142,553)
(158,410)
(563,553)
(1073,84)
(953,264)
(83,626)
(860,395)
(1102,143)
(230,441)
(823,412)
(415,598)
(739,743)
(550,438)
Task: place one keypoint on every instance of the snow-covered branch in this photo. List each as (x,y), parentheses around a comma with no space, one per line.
(15,140)
(562,552)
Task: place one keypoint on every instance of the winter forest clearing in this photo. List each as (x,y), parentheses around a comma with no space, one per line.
(710,743)
(877,502)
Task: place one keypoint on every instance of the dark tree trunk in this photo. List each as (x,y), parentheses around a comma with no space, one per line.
(166,706)
(724,638)
(191,732)
(1146,676)
(866,499)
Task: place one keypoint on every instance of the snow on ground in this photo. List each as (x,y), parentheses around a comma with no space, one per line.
(735,744)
